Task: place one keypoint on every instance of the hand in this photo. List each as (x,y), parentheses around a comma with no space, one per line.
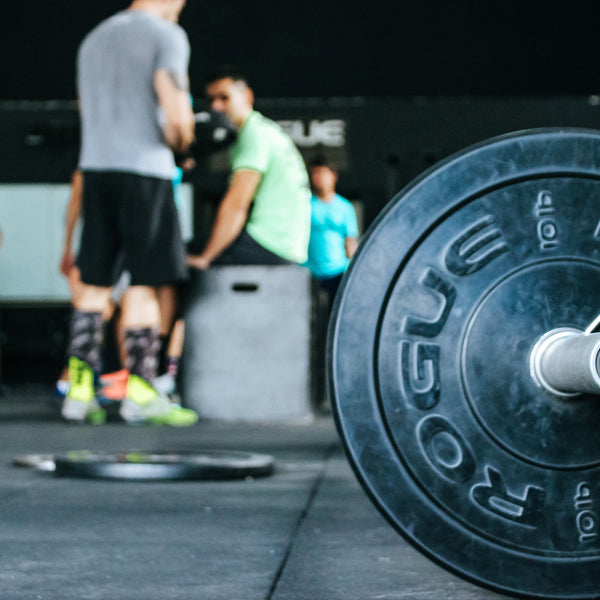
(67,262)
(188,164)
(198,262)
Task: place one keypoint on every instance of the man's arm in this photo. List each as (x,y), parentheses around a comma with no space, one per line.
(231,217)
(351,238)
(350,245)
(174,100)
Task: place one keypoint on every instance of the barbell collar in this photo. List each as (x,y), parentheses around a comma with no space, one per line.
(566,362)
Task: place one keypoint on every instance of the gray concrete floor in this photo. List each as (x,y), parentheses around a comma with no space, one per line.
(306,532)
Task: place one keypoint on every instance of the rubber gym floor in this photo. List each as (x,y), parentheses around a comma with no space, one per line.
(308,531)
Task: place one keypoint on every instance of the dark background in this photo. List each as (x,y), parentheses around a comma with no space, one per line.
(333,48)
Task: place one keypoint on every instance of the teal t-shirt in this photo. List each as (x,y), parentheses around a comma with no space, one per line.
(331,223)
(280,215)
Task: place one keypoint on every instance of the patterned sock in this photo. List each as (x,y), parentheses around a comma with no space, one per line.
(141,347)
(87,330)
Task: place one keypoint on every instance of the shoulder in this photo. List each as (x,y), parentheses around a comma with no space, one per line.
(101,29)
(172,29)
(165,30)
(137,23)
(257,123)
(255,132)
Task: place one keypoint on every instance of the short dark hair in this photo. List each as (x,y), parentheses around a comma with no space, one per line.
(227,72)
(322,160)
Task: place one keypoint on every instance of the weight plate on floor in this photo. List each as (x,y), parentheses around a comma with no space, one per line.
(41,462)
(485,472)
(135,465)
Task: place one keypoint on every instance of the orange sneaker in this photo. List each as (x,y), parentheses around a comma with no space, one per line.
(113,386)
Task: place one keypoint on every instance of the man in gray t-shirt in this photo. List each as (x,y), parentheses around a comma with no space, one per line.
(135,111)
(121,117)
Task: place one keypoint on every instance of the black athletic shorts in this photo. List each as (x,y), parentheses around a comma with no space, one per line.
(244,250)
(130,223)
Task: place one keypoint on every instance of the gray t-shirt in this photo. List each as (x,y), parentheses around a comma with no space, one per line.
(120,116)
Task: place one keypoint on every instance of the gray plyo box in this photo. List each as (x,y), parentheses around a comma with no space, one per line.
(247,344)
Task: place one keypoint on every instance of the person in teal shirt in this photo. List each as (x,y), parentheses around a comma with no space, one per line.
(334,229)
(264,216)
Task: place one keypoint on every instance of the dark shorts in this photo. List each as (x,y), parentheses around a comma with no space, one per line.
(243,251)
(130,223)
(331,285)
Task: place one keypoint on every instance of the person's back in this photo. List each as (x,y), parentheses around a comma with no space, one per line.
(121,127)
(280,216)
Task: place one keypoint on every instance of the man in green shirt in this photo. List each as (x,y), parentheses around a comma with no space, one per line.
(264,216)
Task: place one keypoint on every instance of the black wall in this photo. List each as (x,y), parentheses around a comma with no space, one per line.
(332,48)
(383,143)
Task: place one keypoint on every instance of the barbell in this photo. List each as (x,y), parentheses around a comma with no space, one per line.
(463,363)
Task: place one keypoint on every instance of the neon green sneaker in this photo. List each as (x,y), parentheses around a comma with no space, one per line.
(143,404)
(80,402)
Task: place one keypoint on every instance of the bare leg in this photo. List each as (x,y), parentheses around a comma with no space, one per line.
(177,339)
(140,308)
(167,300)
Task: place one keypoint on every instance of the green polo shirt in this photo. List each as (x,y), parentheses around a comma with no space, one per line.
(280,216)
